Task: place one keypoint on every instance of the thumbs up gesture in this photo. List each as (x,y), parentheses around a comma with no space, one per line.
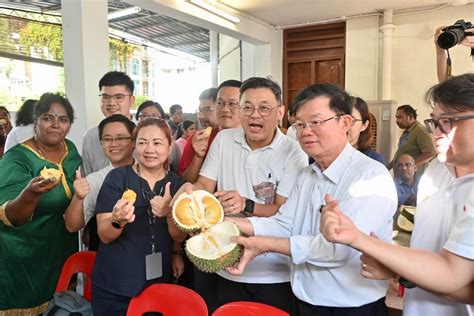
(81,186)
(160,204)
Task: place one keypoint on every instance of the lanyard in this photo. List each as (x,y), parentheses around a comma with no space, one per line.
(147,196)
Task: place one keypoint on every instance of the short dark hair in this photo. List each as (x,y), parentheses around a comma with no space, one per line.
(147,104)
(365,137)
(209,94)
(260,82)
(408,110)
(47,99)
(456,93)
(339,100)
(174,108)
(116,118)
(24,116)
(230,83)
(116,78)
(4,108)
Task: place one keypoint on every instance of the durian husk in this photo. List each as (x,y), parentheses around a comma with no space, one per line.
(224,260)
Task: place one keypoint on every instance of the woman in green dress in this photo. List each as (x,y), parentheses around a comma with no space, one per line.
(34,242)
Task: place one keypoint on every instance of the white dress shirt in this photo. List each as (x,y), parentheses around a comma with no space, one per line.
(325,273)
(235,166)
(95,181)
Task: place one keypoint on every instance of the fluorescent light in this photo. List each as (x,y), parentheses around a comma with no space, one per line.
(206,6)
(121,13)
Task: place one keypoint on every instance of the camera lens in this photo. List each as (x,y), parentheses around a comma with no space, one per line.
(450,38)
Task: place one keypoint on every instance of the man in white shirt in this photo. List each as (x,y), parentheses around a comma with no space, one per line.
(325,277)
(116,97)
(254,169)
(440,261)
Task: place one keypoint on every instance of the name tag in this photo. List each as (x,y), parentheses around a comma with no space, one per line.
(154,266)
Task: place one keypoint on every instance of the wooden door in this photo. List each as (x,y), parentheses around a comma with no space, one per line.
(311,55)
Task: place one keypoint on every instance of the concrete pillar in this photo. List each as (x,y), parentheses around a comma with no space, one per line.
(387,32)
(86,60)
(214,56)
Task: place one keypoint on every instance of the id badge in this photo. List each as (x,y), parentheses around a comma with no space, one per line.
(154,267)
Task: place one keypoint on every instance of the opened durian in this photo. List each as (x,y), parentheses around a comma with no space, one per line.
(50,174)
(211,250)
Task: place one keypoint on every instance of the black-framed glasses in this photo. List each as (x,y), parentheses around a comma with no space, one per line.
(313,125)
(205,110)
(232,105)
(144,116)
(405,164)
(263,109)
(445,124)
(104,98)
(120,139)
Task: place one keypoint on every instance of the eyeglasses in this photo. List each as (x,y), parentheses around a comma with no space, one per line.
(445,124)
(405,164)
(118,140)
(143,116)
(104,98)
(205,110)
(312,125)
(263,109)
(232,105)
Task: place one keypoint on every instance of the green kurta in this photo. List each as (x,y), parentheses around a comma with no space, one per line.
(32,255)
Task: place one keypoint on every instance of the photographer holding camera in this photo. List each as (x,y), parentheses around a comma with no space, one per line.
(445,37)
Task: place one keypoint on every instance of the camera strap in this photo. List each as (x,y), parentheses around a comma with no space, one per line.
(448,63)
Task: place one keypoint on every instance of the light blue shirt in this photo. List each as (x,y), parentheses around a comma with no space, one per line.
(324,273)
(404,191)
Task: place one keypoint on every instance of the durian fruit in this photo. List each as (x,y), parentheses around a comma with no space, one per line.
(50,174)
(211,250)
(406,219)
(130,196)
(207,132)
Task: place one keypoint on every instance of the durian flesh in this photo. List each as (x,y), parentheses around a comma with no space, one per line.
(201,212)
(212,250)
(197,211)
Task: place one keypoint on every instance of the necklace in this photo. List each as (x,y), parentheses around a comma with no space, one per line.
(37,145)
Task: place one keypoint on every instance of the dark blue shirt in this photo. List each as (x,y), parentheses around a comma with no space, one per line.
(120,265)
(374,155)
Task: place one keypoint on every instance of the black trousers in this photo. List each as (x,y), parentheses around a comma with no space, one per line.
(279,295)
(377,308)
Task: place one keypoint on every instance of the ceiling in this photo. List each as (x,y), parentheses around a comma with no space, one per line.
(147,25)
(194,40)
(283,13)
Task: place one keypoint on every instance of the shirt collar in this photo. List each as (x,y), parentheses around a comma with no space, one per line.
(336,169)
(240,139)
(413,126)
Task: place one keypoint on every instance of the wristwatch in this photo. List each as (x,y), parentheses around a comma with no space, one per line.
(249,206)
(117,224)
(406,284)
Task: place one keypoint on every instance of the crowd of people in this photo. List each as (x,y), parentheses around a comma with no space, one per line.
(307,203)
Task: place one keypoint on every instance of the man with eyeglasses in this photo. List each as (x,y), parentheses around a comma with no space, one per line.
(415,140)
(116,97)
(406,182)
(325,277)
(440,262)
(252,170)
(224,113)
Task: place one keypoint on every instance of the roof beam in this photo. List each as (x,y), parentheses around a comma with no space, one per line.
(177,34)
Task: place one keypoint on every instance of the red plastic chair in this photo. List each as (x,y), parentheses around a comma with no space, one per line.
(168,299)
(82,261)
(248,309)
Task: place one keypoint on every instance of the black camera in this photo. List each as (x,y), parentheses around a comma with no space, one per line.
(454,34)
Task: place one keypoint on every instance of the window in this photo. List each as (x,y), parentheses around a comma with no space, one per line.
(145,88)
(138,89)
(145,68)
(135,67)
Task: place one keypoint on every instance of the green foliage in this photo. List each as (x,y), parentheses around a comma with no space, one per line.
(40,36)
(139,99)
(120,51)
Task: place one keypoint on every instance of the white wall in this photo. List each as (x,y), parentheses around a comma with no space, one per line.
(413,55)
(229,59)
